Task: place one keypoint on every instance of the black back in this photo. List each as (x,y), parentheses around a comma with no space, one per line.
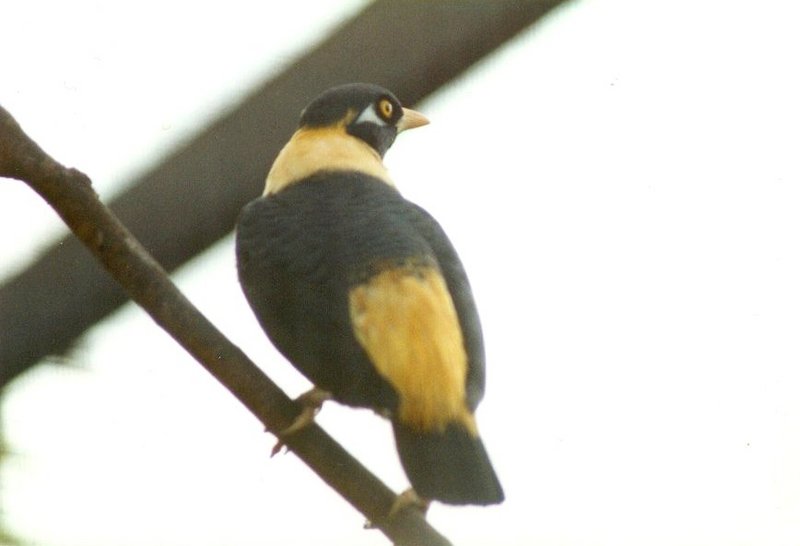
(301,250)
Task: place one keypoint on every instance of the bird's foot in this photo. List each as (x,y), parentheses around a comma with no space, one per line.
(407,498)
(311,402)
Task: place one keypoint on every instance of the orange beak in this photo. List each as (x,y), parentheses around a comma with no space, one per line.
(410,120)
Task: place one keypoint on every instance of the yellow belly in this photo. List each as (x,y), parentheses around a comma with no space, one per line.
(405,320)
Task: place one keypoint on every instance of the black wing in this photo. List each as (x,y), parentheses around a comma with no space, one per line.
(458,284)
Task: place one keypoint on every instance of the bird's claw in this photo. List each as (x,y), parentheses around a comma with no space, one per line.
(407,498)
(311,402)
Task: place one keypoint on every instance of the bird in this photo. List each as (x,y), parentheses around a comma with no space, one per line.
(363,292)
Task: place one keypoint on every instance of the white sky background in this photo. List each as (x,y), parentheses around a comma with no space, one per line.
(623,185)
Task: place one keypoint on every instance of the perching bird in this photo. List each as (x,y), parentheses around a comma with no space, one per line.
(362,291)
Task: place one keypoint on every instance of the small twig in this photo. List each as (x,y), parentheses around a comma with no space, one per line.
(70,193)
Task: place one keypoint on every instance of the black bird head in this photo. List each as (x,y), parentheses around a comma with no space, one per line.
(366,111)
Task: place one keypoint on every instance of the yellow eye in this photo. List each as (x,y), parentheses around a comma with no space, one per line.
(385,108)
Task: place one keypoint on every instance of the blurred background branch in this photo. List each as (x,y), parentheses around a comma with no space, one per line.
(191,199)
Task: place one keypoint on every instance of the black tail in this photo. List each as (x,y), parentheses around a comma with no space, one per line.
(450,466)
